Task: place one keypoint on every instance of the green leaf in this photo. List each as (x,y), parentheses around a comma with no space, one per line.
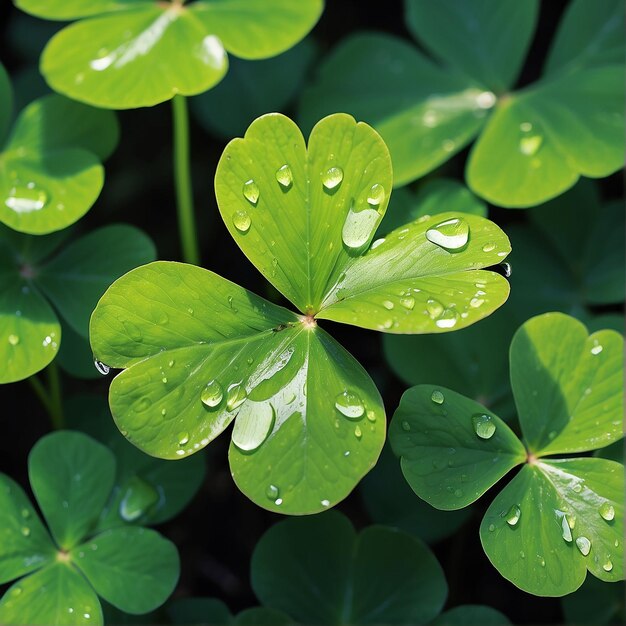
(567,385)
(6,98)
(251,89)
(471,362)
(451,448)
(594,604)
(485,40)
(25,544)
(589,35)
(433,197)
(410,101)
(71,476)
(196,611)
(541,553)
(74,9)
(390,501)
(283,227)
(471,615)
(144,53)
(146,490)
(135,569)
(408,284)
(319,571)
(253,361)
(262,616)
(57,595)
(541,140)
(75,278)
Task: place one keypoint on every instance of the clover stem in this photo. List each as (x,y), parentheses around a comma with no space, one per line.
(50,397)
(182,181)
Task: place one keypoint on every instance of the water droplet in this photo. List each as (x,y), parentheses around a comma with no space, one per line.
(171,363)
(251,193)
(325,502)
(212,394)
(434,308)
(242,221)
(476,302)
(371,416)
(452,234)
(607,566)
(235,396)
(577,488)
(458,493)
(408,303)
(388,304)
(278,501)
(284,176)
(484,426)
(25,531)
(359,227)
(357,432)
(332,177)
(507,270)
(513,515)
(377,243)
(542,561)
(272,492)
(253,425)
(349,404)
(140,496)
(491,527)
(183,438)
(488,247)
(406,426)
(447,319)
(607,512)
(25,513)
(26,198)
(14,340)
(597,348)
(566,531)
(376,195)
(584,545)
(437,397)
(486,99)
(530,145)
(101,367)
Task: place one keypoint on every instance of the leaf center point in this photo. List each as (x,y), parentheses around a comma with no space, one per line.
(308,321)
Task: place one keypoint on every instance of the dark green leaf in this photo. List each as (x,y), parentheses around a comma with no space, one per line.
(471,615)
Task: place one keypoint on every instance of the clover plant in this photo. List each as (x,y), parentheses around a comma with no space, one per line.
(61,572)
(558,517)
(50,162)
(533,142)
(199,351)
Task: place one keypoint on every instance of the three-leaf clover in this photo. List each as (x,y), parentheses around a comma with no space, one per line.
(200,351)
(39,281)
(558,517)
(125,54)
(62,573)
(534,142)
(50,163)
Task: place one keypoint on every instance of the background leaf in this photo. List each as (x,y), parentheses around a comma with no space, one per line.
(471,615)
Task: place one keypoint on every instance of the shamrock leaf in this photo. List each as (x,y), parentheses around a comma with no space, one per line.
(50,165)
(320,571)
(36,276)
(533,143)
(200,352)
(134,569)
(595,604)
(213,611)
(146,490)
(471,615)
(125,54)
(557,518)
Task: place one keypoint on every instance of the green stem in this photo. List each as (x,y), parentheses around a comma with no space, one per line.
(182,180)
(41,392)
(51,397)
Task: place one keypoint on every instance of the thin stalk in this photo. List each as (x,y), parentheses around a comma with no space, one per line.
(40,392)
(182,181)
(56,399)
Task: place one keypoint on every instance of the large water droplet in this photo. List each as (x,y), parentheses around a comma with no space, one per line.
(434,308)
(607,566)
(235,396)
(212,394)
(452,234)
(251,192)
(597,347)
(529,145)
(447,319)
(566,531)
(484,425)
(607,512)
(139,497)
(14,340)
(332,177)
(272,492)
(513,515)
(376,195)
(26,198)
(349,404)
(253,425)
(437,397)
(101,367)
(388,304)
(584,545)
(359,227)
(408,303)
(183,438)
(284,176)
(242,221)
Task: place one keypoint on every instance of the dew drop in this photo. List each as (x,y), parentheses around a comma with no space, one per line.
(376,195)
(452,234)
(235,396)
(566,531)
(284,176)
(607,512)
(437,397)
(359,227)
(491,527)
(101,367)
(25,531)
(584,545)
(253,425)
(377,243)
(332,177)
(242,221)
(408,303)
(14,340)
(325,502)
(183,438)
(26,198)
(357,432)
(488,247)
(251,193)
(272,492)
(140,496)
(371,416)
(212,394)
(597,348)
(607,566)
(350,405)
(434,308)
(388,304)
(513,515)
(484,426)
(530,145)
